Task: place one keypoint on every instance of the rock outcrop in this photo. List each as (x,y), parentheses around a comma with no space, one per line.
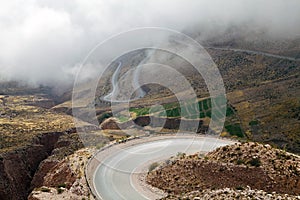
(17,167)
(228,193)
(247,166)
(63,180)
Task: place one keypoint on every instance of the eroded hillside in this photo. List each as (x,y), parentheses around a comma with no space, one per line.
(240,167)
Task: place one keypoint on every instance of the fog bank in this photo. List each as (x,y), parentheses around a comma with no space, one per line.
(45,41)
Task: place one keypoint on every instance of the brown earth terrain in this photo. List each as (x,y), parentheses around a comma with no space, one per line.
(37,131)
(239,166)
(263,90)
(30,133)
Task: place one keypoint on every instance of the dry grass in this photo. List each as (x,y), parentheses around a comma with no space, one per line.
(20,120)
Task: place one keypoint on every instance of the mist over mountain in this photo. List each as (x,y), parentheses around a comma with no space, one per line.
(44,41)
(72,103)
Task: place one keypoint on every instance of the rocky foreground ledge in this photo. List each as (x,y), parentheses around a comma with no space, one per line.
(239,171)
(63,179)
(228,193)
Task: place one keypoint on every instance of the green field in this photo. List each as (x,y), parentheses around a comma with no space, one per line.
(200,110)
(187,110)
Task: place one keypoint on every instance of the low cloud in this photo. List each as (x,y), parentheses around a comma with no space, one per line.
(44,41)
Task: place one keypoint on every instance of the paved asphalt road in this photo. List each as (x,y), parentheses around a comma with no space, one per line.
(112,179)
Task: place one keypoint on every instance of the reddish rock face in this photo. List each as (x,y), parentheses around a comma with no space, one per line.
(60,174)
(44,168)
(17,167)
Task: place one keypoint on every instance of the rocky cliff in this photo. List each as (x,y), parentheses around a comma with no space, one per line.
(17,167)
(62,179)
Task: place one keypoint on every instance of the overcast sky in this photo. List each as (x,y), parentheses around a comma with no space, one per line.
(44,41)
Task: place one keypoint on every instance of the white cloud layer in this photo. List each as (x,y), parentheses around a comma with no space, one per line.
(44,41)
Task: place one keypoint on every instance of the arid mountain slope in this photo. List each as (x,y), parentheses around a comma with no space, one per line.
(238,166)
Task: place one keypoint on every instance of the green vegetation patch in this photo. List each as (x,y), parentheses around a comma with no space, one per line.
(140,111)
(122,118)
(202,115)
(255,162)
(253,123)
(175,112)
(104,116)
(171,105)
(208,113)
(229,111)
(195,110)
(235,129)
(206,104)
(43,189)
(153,166)
(62,185)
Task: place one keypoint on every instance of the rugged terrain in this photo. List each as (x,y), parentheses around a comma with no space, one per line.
(265,93)
(30,133)
(64,179)
(38,135)
(262,92)
(246,169)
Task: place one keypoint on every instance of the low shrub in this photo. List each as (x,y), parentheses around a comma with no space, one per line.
(153,166)
(62,185)
(45,189)
(239,188)
(60,190)
(255,162)
(239,162)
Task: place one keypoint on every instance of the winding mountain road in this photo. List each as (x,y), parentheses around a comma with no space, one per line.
(112,178)
(114,83)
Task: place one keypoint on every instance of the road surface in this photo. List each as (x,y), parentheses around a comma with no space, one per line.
(112,179)
(114,83)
